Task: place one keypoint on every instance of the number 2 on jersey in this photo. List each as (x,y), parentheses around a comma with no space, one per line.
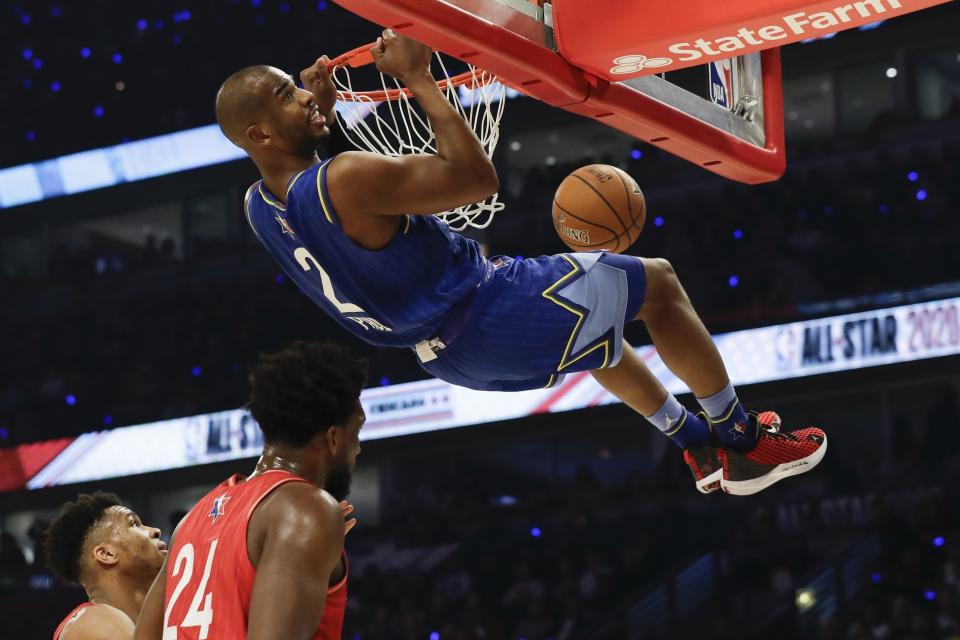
(196,617)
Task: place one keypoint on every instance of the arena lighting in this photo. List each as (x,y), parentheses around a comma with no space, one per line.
(85,52)
(883,208)
(738,234)
(536,532)
(108,419)
(892,72)
(733,281)
(197,371)
(27,54)
(55,86)
(806,599)
(117,58)
(384,381)
(280,278)
(658,221)
(4,434)
(434,635)
(636,154)
(37,63)
(70,399)
(31,136)
(876,578)
(98,111)
(930,595)
(142,24)
(938,541)
(913,176)
(922,195)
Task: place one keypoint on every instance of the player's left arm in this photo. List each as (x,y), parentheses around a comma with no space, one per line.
(302,547)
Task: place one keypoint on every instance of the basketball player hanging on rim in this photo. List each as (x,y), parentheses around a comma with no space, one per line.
(354,233)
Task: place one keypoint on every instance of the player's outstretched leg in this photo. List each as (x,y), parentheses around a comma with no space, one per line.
(742,452)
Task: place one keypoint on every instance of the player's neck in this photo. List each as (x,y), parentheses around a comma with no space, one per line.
(277,172)
(277,457)
(126,598)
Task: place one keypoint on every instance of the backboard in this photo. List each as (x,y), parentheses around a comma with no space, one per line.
(599,59)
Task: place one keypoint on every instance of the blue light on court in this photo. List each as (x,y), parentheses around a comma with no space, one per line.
(876,578)
(27,54)
(434,635)
(117,58)
(733,281)
(54,86)
(636,154)
(658,221)
(98,111)
(922,195)
(536,532)
(321,5)
(142,24)
(938,541)
(70,399)
(37,63)
(25,19)
(738,234)
(930,595)
(197,371)
(31,136)
(85,52)
(913,176)
(256,3)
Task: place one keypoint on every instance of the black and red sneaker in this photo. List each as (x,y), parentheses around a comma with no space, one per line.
(705,464)
(777,455)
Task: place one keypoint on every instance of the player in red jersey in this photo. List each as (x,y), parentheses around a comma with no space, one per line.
(261,557)
(103,546)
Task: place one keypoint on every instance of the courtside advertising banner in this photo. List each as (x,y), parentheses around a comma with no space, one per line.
(826,345)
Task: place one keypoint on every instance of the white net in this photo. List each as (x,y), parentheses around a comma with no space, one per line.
(395,127)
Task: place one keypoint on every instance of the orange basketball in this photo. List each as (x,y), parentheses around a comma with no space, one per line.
(599,207)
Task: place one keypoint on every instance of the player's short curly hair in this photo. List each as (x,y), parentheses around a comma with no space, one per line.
(304,390)
(64,538)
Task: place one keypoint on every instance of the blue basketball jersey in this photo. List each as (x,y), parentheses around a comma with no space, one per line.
(397,296)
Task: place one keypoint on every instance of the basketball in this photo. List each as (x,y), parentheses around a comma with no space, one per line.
(599,207)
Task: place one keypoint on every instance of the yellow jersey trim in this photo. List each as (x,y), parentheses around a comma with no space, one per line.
(323,201)
(272,203)
(292,182)
(406,225)
(548,293)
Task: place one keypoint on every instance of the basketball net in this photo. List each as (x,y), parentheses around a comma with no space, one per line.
(387,122)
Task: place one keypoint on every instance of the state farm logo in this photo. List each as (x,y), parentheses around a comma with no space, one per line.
(636,62)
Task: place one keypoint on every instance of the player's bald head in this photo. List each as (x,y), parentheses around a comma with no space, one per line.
(241,99)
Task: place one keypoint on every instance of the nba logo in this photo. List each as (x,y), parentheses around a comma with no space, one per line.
(721,83)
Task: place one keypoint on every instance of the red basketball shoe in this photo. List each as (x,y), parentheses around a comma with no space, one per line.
(706,466)
(776,456)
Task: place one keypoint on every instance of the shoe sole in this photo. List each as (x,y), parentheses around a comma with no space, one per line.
(707,484)
(778,473)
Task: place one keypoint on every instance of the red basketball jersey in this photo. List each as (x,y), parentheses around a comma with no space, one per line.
(73,614)
(209,574)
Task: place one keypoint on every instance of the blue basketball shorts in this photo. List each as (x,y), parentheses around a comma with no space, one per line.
(532,321)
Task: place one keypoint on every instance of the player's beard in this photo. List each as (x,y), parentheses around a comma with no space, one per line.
(305,141)
(338,481)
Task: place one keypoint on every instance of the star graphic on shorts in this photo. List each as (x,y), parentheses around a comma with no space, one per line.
(287,229)
(218,505)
